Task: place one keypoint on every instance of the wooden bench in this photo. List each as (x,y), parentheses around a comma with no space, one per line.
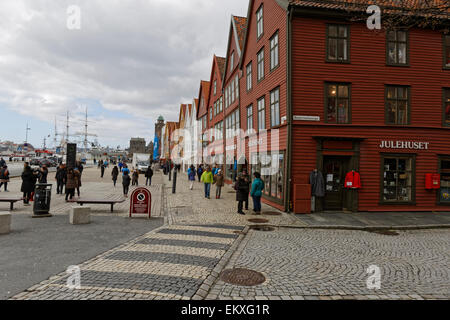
(111,202)
(11,201)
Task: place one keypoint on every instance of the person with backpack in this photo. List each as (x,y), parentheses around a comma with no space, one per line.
(200,172)
(191,176)
(115,174)
(135,177)
(219,182)
(256,192)
(207,178)
(148,176)
(126,180)
(4,177)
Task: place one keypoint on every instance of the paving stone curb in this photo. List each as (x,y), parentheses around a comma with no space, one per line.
(211,279)
(367,228)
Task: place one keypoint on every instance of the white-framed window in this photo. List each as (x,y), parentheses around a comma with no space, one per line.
(259,22)
(249,76)
(260,58)
(250,117)
(221,104)
(233,92)
(236,83)
(274,51)
(262,113)
(275,107)
(215,87)
(210,114)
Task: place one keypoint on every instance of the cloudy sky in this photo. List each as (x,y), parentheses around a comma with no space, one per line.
(130,61)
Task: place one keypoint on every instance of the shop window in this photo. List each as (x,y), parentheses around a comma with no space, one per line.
(337,103)
(271,167)
(338,43)
(444,192)
(397,47)
(398,179)
(446,51)
(397,105)
(446,107)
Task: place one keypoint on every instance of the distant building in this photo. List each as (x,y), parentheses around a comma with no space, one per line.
(159,125)
(137,145)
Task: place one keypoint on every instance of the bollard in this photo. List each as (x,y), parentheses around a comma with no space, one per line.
(5,222)
(174,185)
(170,174)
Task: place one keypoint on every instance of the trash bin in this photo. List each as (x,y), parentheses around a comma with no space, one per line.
(42,198)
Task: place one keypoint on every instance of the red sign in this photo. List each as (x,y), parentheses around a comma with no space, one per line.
(141,202)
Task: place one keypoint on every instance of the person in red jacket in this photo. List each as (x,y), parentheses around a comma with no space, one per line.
(353,180)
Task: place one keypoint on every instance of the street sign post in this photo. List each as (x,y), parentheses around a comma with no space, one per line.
(141,202)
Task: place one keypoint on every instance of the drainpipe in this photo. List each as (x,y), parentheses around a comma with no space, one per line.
(289,108)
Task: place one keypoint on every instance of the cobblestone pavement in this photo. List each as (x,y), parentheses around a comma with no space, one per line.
(201,237)
(169,263)
(332,264)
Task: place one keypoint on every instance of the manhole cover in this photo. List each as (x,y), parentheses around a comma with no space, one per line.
(242,277)
(262,228)
(386,232)
(272,213)
(257,220)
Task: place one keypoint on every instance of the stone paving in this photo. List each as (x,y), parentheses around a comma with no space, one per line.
(201,237)
(332,264)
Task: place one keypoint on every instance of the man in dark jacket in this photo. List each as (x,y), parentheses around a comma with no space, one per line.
(148,176)
(28,183)
(243,189)
(60,179)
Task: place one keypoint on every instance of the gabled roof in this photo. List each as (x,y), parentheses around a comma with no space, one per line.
(388,6)
(241,25)
(203,91)
(183,109)
(238,28)
(221,63)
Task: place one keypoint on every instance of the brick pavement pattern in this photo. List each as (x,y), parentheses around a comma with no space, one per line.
(332,264)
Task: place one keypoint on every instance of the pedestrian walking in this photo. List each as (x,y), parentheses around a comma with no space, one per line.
(120,166)
(126,183)
(102,168)
(242,188)
(60,178)
(219,182)
(207,178)
(43,173)
(247,179)
(256,192)
(4,177)
(71,184)
(191,176)
(200,172)
(115,174)
(77,175)
(28,183)
(135,177)
(2,163)
(148,176)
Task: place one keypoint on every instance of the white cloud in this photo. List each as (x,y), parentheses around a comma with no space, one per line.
(140,57)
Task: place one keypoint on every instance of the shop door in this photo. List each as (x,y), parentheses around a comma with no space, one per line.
(334,169)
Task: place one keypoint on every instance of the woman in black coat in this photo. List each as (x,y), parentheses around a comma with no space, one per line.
(243,189)
(28,183)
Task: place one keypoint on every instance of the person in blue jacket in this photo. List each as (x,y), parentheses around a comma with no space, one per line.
(191,175)
(256,192)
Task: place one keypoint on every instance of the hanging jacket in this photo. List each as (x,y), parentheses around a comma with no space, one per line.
(353,180)
(317,183)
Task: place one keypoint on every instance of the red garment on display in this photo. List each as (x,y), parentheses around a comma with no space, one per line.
(353,180)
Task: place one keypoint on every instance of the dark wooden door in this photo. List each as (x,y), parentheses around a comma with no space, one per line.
(334,169)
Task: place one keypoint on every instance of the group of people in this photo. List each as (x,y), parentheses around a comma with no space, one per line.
(70,178)
(243,186)
(129,177)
